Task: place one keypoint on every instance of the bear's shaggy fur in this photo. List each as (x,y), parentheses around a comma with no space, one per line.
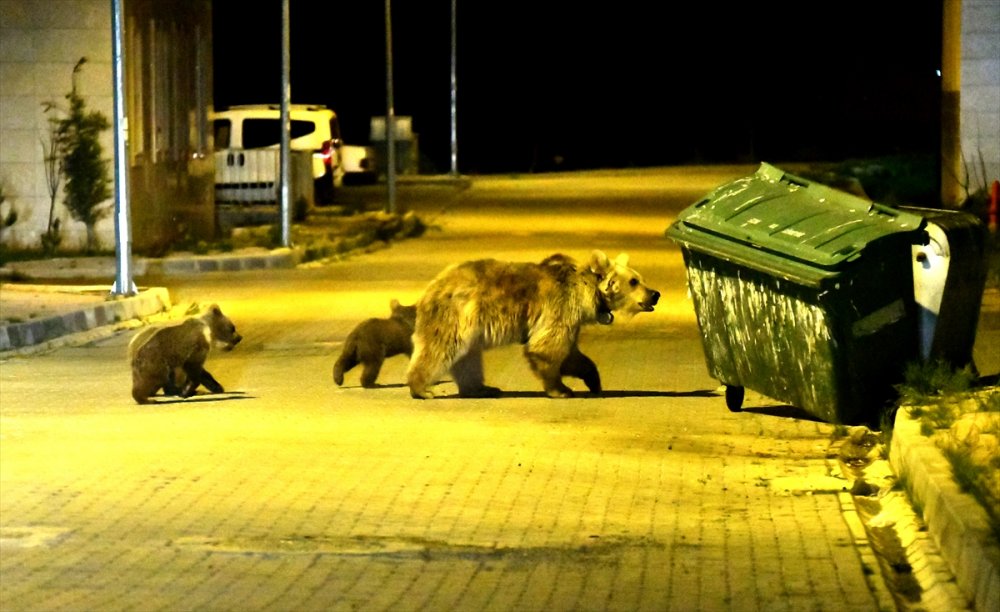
(481,304)
(164,357)
(374,340)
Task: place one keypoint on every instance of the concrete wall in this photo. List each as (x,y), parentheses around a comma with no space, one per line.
(40,42)
(980,90)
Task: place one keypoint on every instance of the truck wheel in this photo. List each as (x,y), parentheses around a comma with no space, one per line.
(734,398)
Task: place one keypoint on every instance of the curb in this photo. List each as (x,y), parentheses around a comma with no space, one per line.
(878,582)
(277,258)
(106,267)
(957,523)
(146,303)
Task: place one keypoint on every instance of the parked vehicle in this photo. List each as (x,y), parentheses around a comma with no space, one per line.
(360,164)
(258,126)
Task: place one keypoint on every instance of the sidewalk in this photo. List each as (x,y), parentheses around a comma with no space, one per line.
(40,316)
(36,316)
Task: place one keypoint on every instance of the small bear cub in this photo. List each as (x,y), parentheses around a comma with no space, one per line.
(167,357)
(374,340)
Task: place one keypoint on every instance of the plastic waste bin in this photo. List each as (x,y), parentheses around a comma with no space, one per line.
(949,276)
(802,293)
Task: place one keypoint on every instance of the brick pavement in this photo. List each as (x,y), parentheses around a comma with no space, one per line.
(269,505)
(651,501)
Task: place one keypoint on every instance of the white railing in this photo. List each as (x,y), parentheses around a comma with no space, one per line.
(246,175)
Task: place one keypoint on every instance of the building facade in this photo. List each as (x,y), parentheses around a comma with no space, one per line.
(168,95)
(980,91)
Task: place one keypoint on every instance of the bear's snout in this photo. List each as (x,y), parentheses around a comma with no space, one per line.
(654,297)
(228,346)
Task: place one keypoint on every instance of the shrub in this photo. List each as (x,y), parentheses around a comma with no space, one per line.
(77,139)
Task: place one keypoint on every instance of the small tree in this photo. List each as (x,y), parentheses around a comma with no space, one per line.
(86,171)
(53,176)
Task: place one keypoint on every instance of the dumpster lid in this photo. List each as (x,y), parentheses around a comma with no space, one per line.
(797,219)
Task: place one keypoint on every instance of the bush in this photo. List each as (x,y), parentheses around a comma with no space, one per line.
(77,139)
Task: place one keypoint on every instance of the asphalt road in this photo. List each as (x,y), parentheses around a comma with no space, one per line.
(290,493)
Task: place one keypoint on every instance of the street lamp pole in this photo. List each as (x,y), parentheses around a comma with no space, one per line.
(454,93)
(124,284)
(390,115)
(286,100)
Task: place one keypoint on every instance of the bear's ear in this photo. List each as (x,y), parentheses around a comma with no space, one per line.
(622,260)
(215,310)
(394,304)
(599,263)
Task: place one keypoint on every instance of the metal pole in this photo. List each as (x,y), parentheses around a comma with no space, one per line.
(286,100)
(124,284)
(454,94)
(390,115)
(952,163)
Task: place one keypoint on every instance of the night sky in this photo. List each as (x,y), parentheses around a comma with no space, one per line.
(556,85)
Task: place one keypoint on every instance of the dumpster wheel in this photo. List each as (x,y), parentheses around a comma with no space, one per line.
(734,397)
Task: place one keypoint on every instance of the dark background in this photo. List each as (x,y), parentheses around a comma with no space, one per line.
(553,84)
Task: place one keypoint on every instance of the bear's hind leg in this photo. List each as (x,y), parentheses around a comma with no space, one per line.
(347,360)
(175,381)
(467,371)
(369,374)
(146,382)
(141,391)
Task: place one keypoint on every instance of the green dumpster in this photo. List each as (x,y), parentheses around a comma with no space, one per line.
(802,293)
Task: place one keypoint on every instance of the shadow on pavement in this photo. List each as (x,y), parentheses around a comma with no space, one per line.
(784,411)
(209,397)
(602,395)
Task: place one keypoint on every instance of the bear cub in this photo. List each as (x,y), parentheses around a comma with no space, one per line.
(374,340)
(174,355)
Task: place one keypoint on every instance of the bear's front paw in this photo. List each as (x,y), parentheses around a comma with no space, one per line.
(594,384)
(562,391)
(421,394)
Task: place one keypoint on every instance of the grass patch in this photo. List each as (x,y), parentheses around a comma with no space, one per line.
(976,477)
(321,237)
(925,381)
(933,391)
(991,404)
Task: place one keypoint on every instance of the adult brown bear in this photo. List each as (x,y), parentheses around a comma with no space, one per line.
(481,304)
